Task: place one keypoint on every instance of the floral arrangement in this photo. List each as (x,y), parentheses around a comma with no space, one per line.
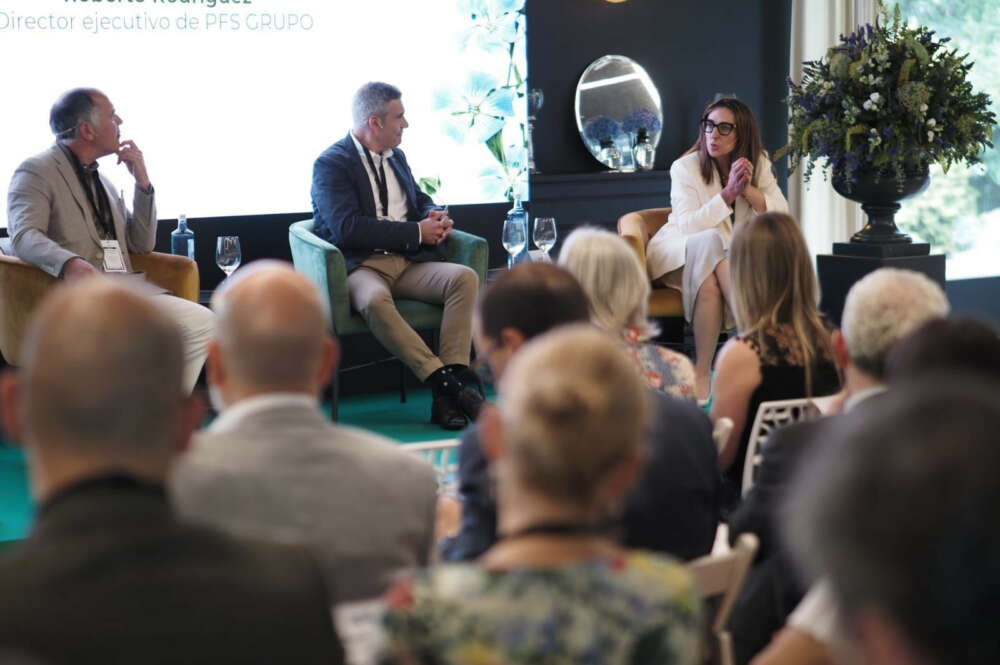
(601,129)
(889,99)
(641,120)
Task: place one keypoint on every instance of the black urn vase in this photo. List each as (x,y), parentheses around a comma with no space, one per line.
(880,201)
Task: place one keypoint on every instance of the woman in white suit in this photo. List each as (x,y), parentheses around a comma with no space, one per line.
(723,180)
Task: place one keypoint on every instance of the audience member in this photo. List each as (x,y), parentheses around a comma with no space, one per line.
(390,233)
(783,348)
(272,466)
(895,510)
(960,344)
(108,575)
(720,183)
(565,443)
(673,508)
(880,310)
(69,220)
(618,291)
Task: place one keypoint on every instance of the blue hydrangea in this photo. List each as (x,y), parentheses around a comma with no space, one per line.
(641,119)
(600,129)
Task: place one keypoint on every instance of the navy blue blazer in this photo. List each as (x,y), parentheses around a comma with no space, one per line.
(344,207)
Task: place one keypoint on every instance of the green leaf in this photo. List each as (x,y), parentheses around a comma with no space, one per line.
(781,152)
(495,144)
(429,186)
(904,71)
(918,50)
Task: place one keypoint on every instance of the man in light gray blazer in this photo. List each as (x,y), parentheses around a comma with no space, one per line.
(66,218)
(274,467)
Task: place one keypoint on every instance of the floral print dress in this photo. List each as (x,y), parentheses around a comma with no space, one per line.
(640,608)
(664,370)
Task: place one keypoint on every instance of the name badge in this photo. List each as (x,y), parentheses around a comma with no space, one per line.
(113,260)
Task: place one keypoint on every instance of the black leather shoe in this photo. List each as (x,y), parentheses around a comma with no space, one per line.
(468,378)
(445,412)
(470,401)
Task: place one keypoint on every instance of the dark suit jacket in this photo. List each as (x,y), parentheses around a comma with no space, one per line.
(673,508)
(772,588)
(109,577)
(780,456)
(344,207)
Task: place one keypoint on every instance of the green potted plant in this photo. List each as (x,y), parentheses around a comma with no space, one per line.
(878,109)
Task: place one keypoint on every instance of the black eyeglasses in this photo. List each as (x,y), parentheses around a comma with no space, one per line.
(725,128)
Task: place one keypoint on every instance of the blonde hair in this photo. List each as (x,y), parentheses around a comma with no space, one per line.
(612,277)
(774,286)
(573,406)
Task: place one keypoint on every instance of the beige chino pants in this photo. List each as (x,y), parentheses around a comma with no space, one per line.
(376,283)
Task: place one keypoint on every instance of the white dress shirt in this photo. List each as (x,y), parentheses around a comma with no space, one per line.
(398,208)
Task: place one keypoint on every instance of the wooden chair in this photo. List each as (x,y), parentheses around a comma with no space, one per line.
(771,416)
(324,264)
(719,578)
(23,286)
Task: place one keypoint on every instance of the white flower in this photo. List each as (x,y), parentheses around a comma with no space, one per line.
(875,97)
(923,108)
(867,105)
(930,136)
(931,122)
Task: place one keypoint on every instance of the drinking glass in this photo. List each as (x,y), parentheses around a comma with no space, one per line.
(228,254)
(544,234)
(513,238)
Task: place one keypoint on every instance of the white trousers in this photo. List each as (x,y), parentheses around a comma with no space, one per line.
(197,323)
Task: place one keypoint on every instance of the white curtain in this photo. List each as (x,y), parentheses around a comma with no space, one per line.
(826,216)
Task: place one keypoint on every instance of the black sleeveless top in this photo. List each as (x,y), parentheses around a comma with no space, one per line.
(783,376)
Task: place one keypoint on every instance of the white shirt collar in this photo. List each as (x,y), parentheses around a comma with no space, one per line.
(861,396)
(385,154)
(233,415)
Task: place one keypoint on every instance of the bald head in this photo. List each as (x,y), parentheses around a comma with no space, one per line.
(101,374)
(272,332)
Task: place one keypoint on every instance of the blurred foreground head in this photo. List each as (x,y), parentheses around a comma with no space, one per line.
(100,385)
(899,510)
(272,334)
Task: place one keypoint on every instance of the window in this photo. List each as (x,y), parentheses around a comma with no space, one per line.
(959,213)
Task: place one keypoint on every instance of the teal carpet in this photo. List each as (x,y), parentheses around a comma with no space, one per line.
(383,414)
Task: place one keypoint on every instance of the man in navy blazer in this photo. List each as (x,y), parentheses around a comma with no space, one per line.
(389,231)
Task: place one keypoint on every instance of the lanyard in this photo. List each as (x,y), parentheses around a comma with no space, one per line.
(380,180)
(93,189)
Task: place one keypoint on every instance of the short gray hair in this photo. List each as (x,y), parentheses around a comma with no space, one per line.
(372,99)
(72,108)
(882,308)
(612,277)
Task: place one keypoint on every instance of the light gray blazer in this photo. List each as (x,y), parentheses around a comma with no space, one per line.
(288,474)
(50,221)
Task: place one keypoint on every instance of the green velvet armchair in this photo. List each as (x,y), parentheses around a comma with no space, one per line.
(323,263)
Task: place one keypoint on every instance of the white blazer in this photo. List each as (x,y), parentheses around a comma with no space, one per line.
(698,207)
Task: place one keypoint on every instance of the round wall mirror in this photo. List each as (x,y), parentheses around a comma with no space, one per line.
(618,113)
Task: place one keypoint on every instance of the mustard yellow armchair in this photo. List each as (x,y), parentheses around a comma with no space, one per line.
(22,287)
(637,228)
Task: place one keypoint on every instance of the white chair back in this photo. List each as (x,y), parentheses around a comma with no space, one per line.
(771,416)
(443,456)
(721,576)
